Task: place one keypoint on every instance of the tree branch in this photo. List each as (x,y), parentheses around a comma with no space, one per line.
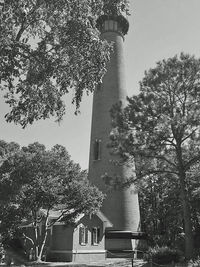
(165,159)
(60,217)
(28,238)
(156,172)
(191,162)
(160,157)
(188,135)
(21,30)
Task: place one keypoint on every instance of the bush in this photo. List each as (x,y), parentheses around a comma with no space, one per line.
(163,255)
(194,262)
(2,253)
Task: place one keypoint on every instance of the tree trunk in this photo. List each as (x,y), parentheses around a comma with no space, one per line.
(43,244)
(189,243)
(189,246)
(45,237)
(36,242)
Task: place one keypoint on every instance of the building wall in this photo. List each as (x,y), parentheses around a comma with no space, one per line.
(89,252)
(89,223)
(61,243)
(62,238)
(66,242)
(89,256)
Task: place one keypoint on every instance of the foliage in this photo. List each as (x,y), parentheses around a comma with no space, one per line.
(7,149)
(195,262)
(160,127)
(48,48)
(116,7)
(34,182)
(163,255)
(2,252)
(157,196)
(163,223)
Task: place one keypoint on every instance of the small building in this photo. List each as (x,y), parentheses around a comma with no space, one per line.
(83,242)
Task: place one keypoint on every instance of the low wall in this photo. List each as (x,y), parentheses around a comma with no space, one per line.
(90,256)
(76,256)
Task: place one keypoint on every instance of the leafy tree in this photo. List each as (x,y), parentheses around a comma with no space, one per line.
(48,47)
(7,149)
(35,181)
(193,185)
(164,224)
(160,127)
(157,196)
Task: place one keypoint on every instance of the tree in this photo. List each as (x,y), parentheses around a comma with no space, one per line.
(7,149)
(194,191)
(35,181)
(48,48)
(157,196)
(160,127)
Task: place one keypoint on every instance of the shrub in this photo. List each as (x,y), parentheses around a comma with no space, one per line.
(195,262)
(2,252)
(163,255)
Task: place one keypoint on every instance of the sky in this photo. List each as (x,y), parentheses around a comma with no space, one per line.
(158,29)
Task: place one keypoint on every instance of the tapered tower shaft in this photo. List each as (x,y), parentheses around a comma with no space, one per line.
(121,205)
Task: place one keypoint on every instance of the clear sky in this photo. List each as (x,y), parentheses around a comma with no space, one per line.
(158,29)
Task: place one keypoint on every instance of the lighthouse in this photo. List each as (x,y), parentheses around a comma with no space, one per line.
(121,204)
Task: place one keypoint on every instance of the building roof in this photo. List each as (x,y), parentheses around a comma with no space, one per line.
(104,219)
(55,214)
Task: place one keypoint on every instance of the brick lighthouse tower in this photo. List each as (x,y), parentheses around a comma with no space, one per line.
(121,205)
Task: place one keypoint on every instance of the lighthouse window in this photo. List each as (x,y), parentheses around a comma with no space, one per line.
(111,24)
(107,25)
(115,25)
(97,149)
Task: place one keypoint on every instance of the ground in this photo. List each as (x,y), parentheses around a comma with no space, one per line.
(107,263)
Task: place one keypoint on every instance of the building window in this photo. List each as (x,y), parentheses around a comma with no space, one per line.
(95,235)
(115,26)
(83,235)
(97,149)
(111,25)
